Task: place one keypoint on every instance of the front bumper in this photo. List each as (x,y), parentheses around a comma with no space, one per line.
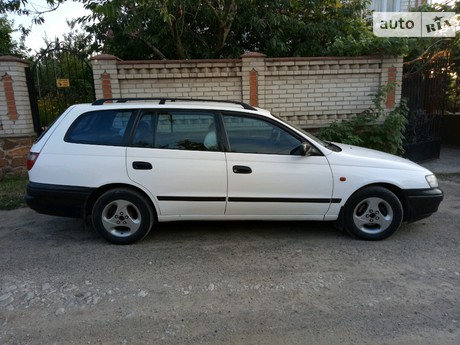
(421,203)
(57,200)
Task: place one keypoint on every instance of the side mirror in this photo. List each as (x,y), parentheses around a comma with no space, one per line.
(303,149)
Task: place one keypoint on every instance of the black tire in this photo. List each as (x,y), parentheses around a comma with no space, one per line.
(122,216)
(373,213)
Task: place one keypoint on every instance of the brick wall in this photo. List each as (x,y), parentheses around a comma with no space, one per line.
(310,92)
(314,92)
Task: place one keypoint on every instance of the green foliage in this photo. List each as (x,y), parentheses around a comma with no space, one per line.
(426,48)
(23,8)
(373,128)
(366,43)
(424,53)
(189,29)
(173,29)
(194,29)
(7,45)
(317,28)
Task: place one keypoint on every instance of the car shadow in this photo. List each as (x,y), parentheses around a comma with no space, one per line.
(56,231)
(210,230)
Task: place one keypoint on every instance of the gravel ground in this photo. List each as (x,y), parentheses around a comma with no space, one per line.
(231,283)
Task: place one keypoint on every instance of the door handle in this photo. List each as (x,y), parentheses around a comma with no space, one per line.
(241,169)
(142,165)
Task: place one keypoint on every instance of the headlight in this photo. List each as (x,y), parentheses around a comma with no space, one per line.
(432,181)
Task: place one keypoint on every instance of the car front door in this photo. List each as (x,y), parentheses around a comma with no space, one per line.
(175,155)
(267,175)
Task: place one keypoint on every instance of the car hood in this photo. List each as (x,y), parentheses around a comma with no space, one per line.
(359,156)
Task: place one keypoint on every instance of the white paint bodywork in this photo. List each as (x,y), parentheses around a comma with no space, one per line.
(332,175)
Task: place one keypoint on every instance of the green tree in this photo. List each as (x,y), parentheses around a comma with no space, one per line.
(160,28)
(8,46)
(317,28)
(424,53)
(226,28)
(23,7)
(185,29)
(422,47)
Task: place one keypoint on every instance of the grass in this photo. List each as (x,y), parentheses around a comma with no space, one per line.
(12,191)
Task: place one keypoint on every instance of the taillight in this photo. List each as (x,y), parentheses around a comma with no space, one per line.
(31,159)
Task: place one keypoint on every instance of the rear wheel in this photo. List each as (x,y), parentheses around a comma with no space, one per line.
(122,216)
(373,213)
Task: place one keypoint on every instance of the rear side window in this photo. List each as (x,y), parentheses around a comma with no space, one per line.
(103,127)
(186,131)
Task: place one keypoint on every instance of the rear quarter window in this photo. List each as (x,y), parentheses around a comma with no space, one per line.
(103,127)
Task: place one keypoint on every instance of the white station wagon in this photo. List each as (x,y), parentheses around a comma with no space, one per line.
(125,164)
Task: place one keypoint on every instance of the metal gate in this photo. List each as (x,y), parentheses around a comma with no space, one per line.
(424,85)
(58,78)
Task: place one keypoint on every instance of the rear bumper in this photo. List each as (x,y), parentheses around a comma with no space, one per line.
(421,203)
(57,200)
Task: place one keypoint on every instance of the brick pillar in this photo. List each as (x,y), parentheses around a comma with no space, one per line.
(15,111)
(16,125)
(253,88)
(392,70)
(105,73)
(253,78)
(391,93)
(9,95)
(106,85)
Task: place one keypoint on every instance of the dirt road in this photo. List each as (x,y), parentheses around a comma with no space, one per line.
(231,283)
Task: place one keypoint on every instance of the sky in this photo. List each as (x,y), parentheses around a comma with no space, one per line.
(55,24)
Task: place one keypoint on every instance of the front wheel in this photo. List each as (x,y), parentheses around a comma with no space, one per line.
(373,213)
(122,216)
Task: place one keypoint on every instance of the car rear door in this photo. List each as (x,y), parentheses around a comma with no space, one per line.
(169,158)
(267,176)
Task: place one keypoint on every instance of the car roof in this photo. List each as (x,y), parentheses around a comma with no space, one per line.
(176,103)
(164,100)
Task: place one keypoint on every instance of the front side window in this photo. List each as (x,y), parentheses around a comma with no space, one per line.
(103,127)
(254,135)
(186,131)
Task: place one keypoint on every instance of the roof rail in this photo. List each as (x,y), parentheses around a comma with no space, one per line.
(163,100)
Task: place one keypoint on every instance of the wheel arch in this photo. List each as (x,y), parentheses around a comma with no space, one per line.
(102,189)
(399,194)
(340,223)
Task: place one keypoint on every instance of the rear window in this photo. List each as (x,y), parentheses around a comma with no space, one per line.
(177,130)
(186,131)
(103,127)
